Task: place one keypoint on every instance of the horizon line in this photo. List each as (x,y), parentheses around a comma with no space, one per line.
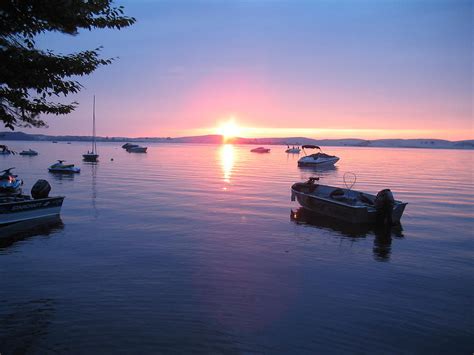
(2,133)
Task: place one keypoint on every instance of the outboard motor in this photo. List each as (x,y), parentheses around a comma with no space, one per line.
(384,203)
(40,189)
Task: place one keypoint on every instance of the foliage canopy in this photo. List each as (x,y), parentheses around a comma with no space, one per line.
(30,77)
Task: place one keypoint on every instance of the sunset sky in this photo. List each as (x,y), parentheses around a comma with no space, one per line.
(321,69)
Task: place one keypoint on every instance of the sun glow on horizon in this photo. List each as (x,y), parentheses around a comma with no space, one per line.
(229,129)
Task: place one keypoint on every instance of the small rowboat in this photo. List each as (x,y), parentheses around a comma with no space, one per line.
(346,204)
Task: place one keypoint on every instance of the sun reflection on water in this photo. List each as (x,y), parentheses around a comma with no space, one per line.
(227,157)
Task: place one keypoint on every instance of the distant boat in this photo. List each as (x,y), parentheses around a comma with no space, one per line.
(92,155)
(318,159)
(62,168)
(4,150)
(9,184)
(136,149)
(55,142)
(260,150)
(127,145)
(293,150)
(29,152)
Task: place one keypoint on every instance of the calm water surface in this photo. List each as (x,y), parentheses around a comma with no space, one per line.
(192,248)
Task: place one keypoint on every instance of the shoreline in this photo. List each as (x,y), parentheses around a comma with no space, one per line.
(250,144)
(428,143)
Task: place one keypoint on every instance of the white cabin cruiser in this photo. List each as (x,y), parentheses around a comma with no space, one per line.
(62,168)
(317,159)
(9,184)
(346,204)
(29,152)
(18,208)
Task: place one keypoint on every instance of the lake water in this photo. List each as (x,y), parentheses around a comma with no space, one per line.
(192,248)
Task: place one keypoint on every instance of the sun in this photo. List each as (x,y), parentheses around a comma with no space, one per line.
(228,129)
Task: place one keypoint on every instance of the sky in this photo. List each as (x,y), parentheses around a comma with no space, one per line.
(320,68)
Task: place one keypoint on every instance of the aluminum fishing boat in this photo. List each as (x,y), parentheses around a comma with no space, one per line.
(346,204)
(317,159)
(62,168)
(18,208)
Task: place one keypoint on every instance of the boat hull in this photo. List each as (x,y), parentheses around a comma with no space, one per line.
(319,162)
(90,157)
(137,150)
(73,170)
(341,211)
(31,209)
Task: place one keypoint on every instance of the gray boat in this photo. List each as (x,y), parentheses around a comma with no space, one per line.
(19,208)
(346,204)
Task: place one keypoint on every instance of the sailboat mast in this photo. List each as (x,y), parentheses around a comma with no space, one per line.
(94,145)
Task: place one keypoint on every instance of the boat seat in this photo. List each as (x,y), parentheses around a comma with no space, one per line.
(337,194)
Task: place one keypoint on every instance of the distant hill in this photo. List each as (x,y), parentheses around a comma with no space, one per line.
(217,139)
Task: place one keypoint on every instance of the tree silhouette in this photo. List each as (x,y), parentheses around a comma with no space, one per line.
(30,77)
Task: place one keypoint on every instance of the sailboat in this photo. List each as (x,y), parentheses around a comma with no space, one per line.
(92,155)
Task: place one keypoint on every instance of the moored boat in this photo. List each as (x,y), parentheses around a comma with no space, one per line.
(10,185)
(293,150)
(127,145)
(62,168)
(4,150)
(317,159)
(260,150)
(18,208)
(136,149)
(29,152)
(347,204)
(92,156)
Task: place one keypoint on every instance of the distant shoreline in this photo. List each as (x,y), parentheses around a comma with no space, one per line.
(217,139)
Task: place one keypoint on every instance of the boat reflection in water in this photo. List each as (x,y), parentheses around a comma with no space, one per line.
(383,234)
(19,231)
(319,171)
(62,177)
